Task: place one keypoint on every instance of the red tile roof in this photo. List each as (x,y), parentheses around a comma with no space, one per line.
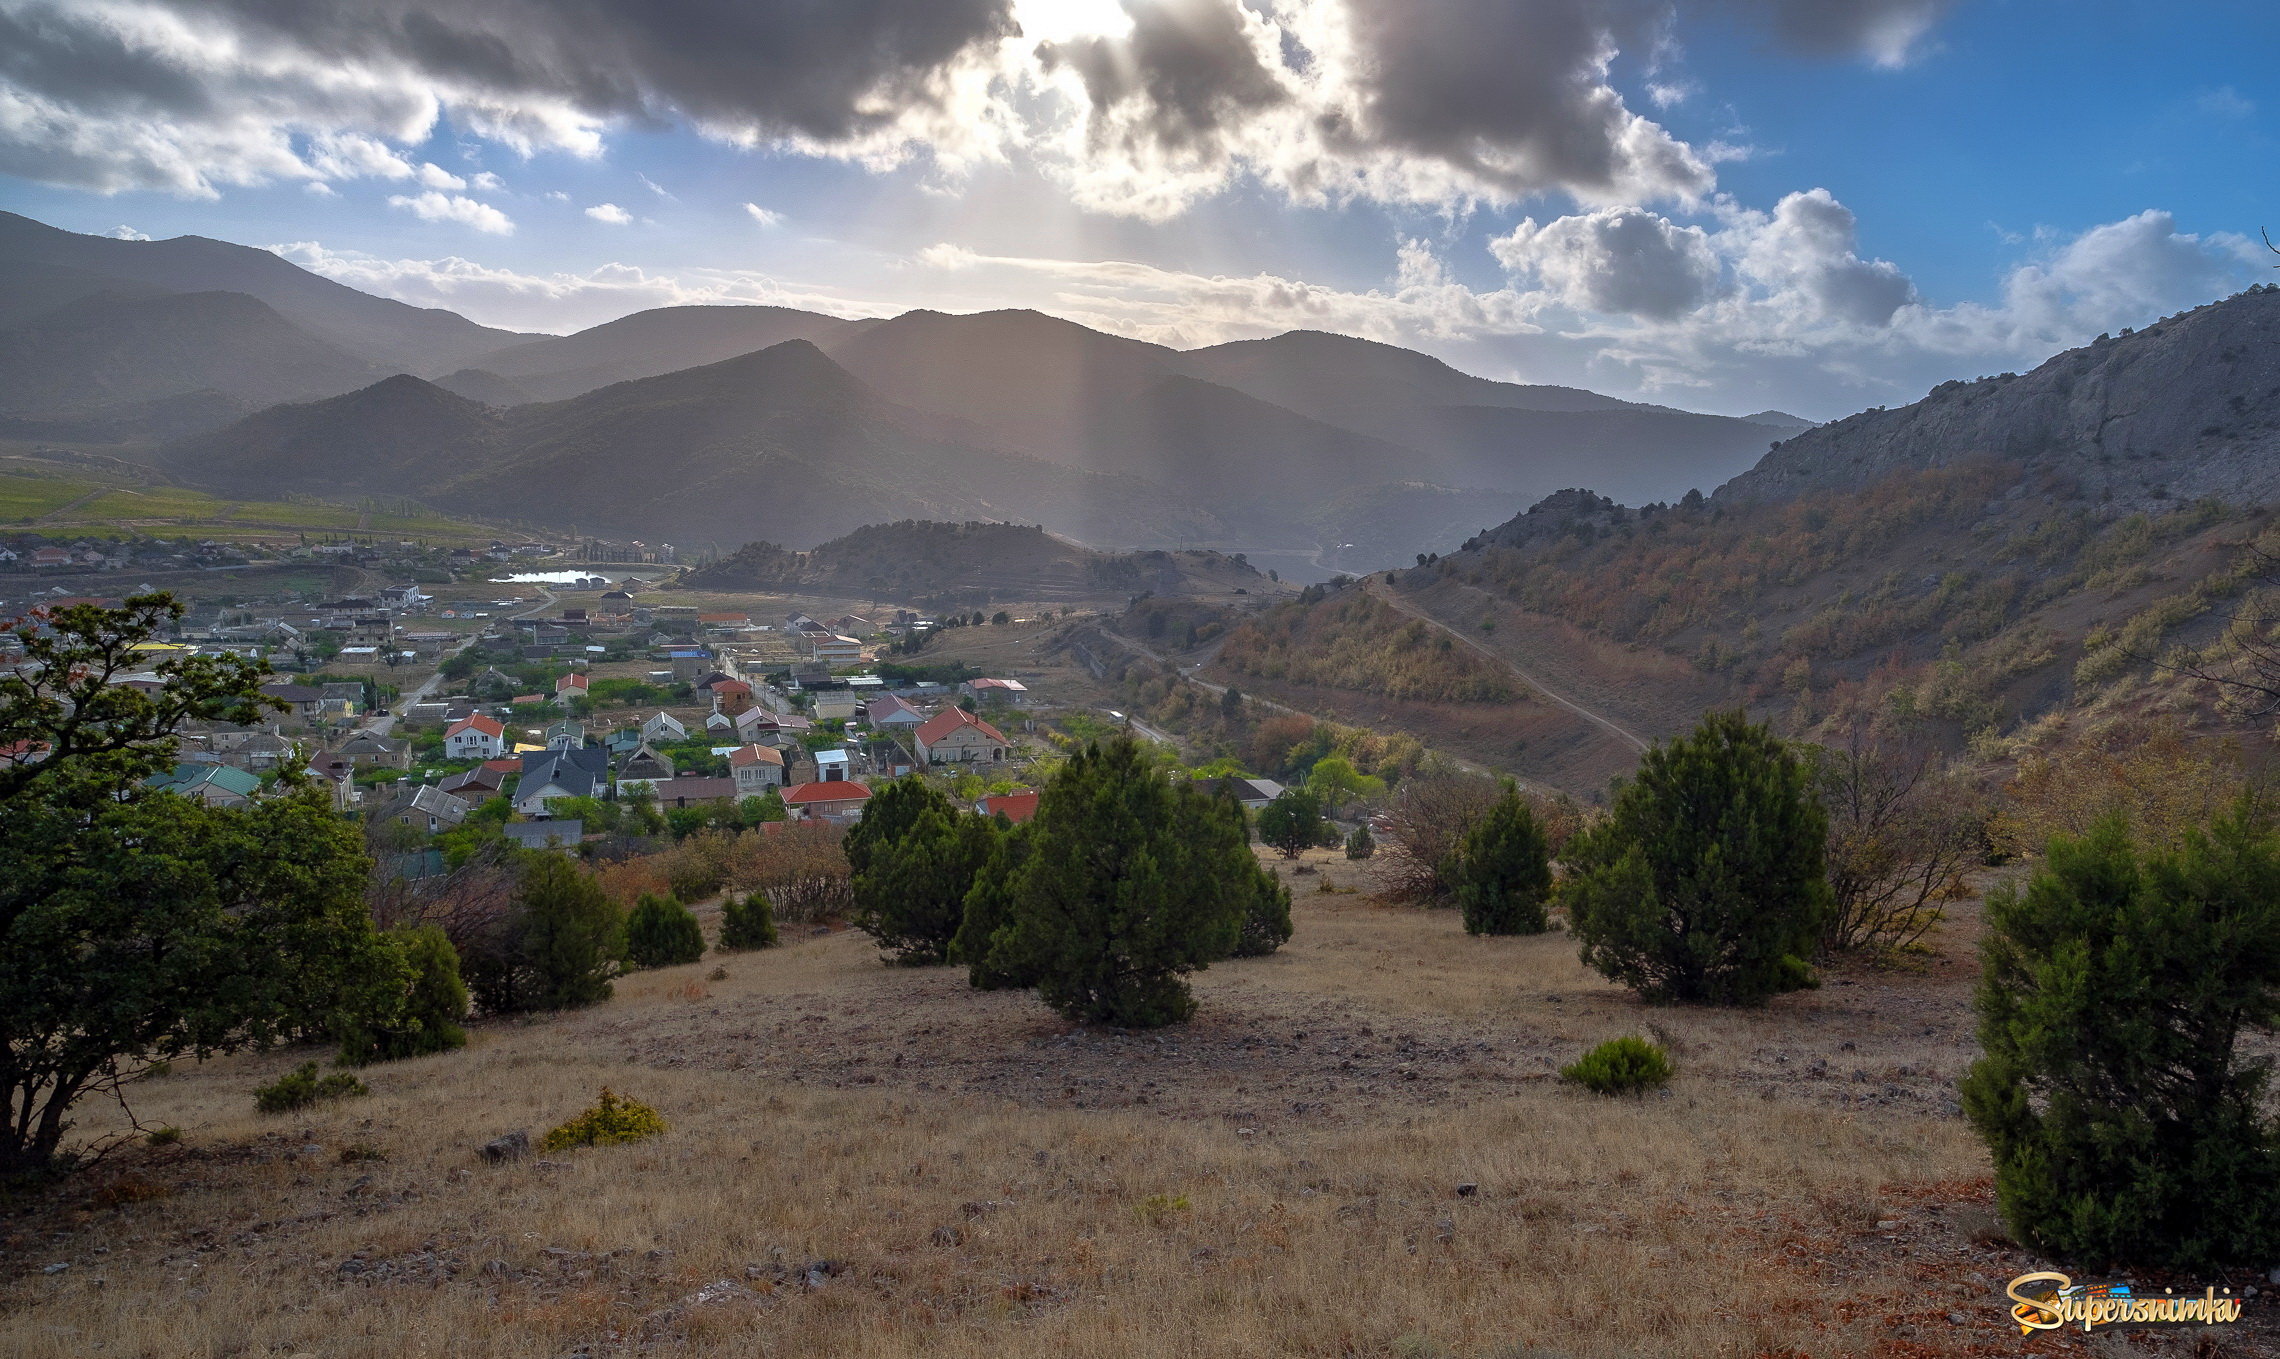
(572,680)
(744,755)
(1014,807)
(834,790)
(934,728)
(489,726)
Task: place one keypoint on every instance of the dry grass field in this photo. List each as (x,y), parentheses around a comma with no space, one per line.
(1358,1147)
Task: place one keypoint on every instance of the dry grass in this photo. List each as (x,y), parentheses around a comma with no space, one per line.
(880,1162)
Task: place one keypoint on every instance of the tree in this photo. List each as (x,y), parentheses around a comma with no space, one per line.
(555,949)
(661,932)
(913,869)
(746,923)
(1131,882)
(1707,880)
(1231,703)
(2126,1123)
(1902,834)
(981,943)
(137,926)
(430,1002)
(1426,824)
(1504,874)
(1266,915)
(1335,781)
(1292,823)
(1359,845)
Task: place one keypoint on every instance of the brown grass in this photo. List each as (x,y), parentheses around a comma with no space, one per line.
(880,1162)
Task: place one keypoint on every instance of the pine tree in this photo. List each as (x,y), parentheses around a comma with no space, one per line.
(914,869)
(558,947)
(424,1011)
(1360,845)
(2126,1123)
(1504,873)
(1292,823)
(662,932)
(1266,915)
(992,961)
(1130,883)
(1706,880)
(746,922)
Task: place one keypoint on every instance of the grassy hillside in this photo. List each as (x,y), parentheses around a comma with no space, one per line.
(1351,640)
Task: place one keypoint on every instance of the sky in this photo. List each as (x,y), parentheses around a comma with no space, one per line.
(1732,206)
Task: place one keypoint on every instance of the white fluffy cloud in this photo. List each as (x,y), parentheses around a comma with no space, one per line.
(610,213)
(766,217)
(434,206)
(1620,261)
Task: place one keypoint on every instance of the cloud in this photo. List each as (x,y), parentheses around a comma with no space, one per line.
(1617,261)
(440,207)
(653,186)
(1447,104)
(764,216)
(126,233)
(610,213)
(488,182)
(2225,102)
(556,301)
(436,177)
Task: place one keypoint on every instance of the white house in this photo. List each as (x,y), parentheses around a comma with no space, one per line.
(664,727)
(475,738)
(955,736)
(756,769)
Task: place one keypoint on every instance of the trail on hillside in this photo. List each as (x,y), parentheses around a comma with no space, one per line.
(1599,719)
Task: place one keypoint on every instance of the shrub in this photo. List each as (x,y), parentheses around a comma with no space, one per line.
(661,932)
(2125,1121)
(800,869)
(424,1008)
(1426,825)
(1706,881)
(555,947)
(1359,845)
(302,1087)
(1902,834)
(1504,873)
(915,857)
(992,961)
(746,923)
(1292,823)
(1129,884)
(611,1119)
(1619,1066)
(164,1135)
(1266,916)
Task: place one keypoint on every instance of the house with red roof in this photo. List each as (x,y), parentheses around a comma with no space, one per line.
(955,736)
(1016,807)
(756,769)
(1010,692)
(730,697)
(839,800)
(572,683)
(475,738)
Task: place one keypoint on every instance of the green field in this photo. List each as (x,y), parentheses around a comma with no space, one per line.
(35,495)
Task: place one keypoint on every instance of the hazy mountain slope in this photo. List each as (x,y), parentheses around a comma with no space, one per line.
(650,343)
(924,560)
(1640,454)
(786,445)
(478,384)
(392,335)
(29,290)
(2187,407)
(1365,385)
(106,350)
(400,436)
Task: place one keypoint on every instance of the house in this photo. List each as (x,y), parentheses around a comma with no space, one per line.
(50,556)
(687,792)
(756,769)
(426,808)
(837,705)
(1016,807)
(643,766)
(371,750)
(888,713)
(258,750)
(343,699)
(730,697)
(839,801)
(479,784)
(337,780)
(832,649)
(561,835)
(550,775)
(831,765)
(570,685)
(988,692)
(304,702)
(567,734)
(955,736)
(475,738)
(1252,793)
(216,785)
(664,728)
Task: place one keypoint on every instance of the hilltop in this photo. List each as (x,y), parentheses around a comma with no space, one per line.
(916,559)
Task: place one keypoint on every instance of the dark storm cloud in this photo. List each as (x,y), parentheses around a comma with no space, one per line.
(1187,66)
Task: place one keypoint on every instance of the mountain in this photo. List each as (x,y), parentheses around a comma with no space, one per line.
(393,336)
(108,349)
(921,560)
(650,343)
(782,444)
(2187,407)
(1366,385)
(400,436)
(480,384)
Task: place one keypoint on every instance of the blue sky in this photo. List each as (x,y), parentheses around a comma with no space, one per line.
(1727,206)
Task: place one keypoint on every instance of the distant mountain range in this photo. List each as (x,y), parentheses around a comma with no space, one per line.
(732,423)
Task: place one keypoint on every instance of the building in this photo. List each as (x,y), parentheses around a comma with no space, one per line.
(664,727)
(836,705)
(371,750)
(551,775)
(832,765)
(216,785)
(888,713)
(1017,806)
(840,801)
(479,784)
(756,769)
(426,808)
(475,738)
(989,692)
(643,766)
(1252,793)
(955,736)
(567,734)
(687,792)
(305,703)
(832,649)
(572,684)
(731,696)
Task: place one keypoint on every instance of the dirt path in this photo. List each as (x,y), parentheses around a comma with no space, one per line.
(1601,720)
